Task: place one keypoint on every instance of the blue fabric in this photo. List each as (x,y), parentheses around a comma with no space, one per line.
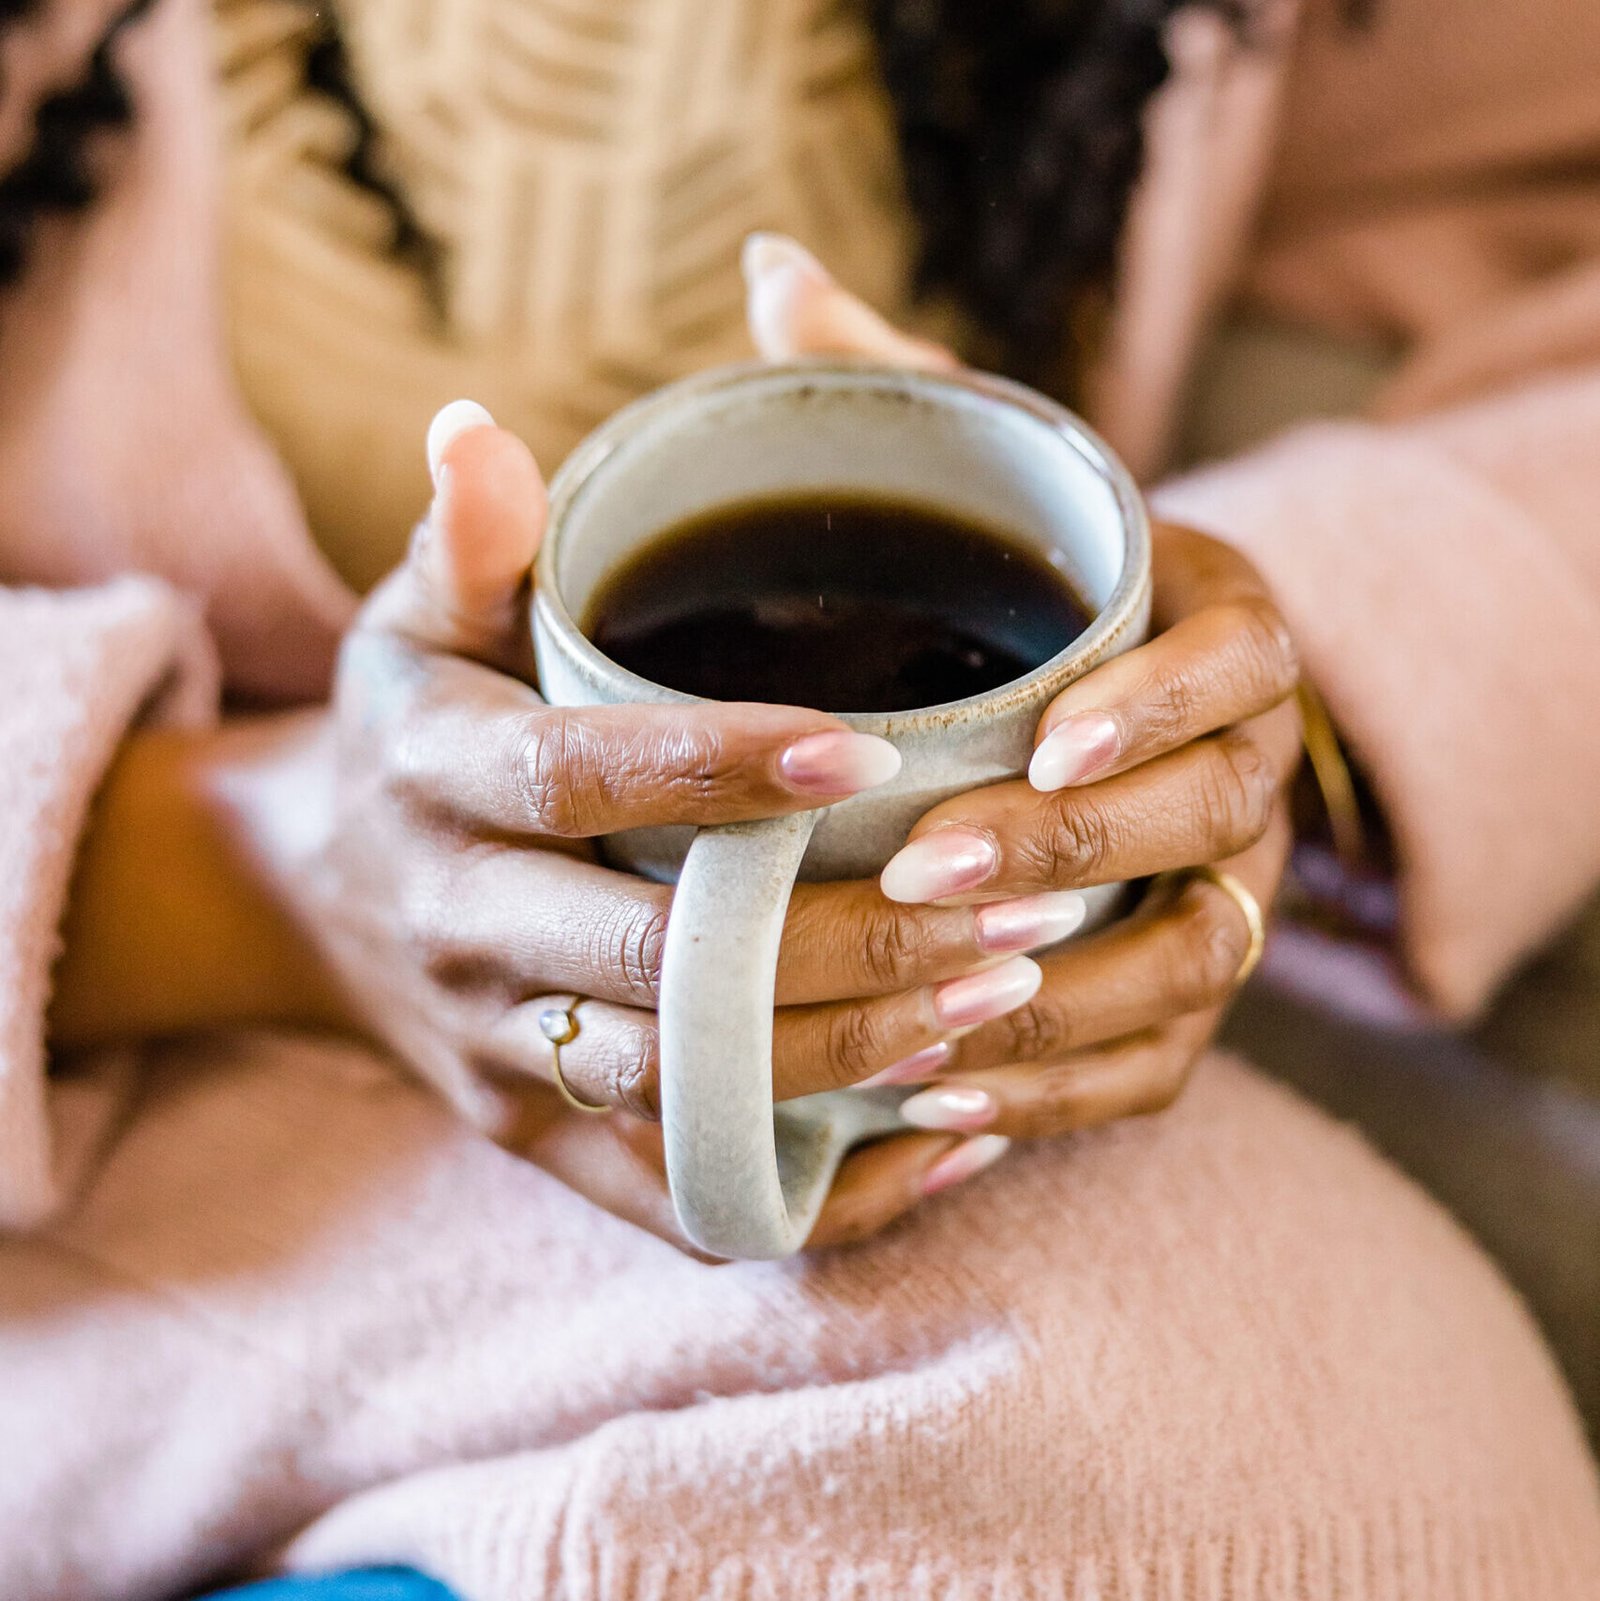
(362,1584)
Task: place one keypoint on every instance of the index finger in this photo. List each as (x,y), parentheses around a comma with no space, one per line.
(485,751)
(1226,657)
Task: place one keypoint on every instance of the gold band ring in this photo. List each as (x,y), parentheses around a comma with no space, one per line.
(1250,906)
(559,1025)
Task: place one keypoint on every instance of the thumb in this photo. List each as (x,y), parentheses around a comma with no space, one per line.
(464,584)
(795,308)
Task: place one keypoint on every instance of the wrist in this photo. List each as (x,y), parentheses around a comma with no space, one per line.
(177,922)
(265,787)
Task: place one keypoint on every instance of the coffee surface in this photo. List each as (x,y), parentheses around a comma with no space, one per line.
(834,601)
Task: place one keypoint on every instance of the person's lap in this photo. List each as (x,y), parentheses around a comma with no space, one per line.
(1502,1125)
(355,1320)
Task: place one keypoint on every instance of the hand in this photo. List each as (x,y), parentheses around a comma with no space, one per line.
(1176,754)
(434,834)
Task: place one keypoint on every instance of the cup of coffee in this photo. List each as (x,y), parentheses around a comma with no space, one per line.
(933,558)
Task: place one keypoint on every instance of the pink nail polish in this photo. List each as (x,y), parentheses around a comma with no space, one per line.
(949,861)
(838,762)
(951,1109)
(1032,922)
(968,1158)
(1074,750)
(912,1069)
(981,997)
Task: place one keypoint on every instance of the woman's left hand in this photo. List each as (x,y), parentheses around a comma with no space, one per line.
(1175,755)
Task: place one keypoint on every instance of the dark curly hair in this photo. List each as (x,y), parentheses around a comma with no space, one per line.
(1020,124)
(1021,133)
(54,174)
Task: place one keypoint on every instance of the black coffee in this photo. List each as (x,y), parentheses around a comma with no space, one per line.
(839,602)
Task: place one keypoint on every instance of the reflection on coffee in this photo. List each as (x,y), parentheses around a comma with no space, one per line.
(837,601)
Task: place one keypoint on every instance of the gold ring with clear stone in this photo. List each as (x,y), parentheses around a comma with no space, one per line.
(559,1025)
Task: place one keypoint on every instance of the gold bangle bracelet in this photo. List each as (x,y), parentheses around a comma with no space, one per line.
(1335,783)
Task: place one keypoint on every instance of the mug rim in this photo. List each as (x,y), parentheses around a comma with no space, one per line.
(1122,607)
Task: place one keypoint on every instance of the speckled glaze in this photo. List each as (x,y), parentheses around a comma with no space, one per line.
(747,1180)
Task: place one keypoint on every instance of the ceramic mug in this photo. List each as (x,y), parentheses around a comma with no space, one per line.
(748,1178)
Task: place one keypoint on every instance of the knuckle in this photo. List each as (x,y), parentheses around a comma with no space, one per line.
(1175,712)
(1209,950)
(1273,647)
(1057,1105)
(430,929)
(1264,650)
(1034,1032)
(437,957)
(456,966)
(442,937)
(1237,794)
(558,779)
(631,944)
(894,951)
(631,1076)
(697,764)
(684,768)
(450,963)
(1077,845)
(408,777)
(857,1045)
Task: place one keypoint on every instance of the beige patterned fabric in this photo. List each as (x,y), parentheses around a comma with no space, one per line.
(590,168)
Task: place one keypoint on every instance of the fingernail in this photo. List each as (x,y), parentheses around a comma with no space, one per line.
(1032,922)
(1074,750)
(968,1158)
(952,1109)
(448,424)
(839,762)
(982,997)
(912,1070)
(775,266)
(948,861)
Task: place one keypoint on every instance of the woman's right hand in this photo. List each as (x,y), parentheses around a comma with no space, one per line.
(453,892)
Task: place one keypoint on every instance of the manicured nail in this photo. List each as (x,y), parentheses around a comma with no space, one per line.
(982,997)
(839,762)
(1032,922)
(968,1158)
(448,424)
(952,1109)
(775,266)
(1074,750)
(913,1069)
(949,861)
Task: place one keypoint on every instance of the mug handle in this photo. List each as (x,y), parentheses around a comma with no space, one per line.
(747,1177)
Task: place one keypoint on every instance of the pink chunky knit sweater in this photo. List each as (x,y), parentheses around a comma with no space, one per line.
(264,1301)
